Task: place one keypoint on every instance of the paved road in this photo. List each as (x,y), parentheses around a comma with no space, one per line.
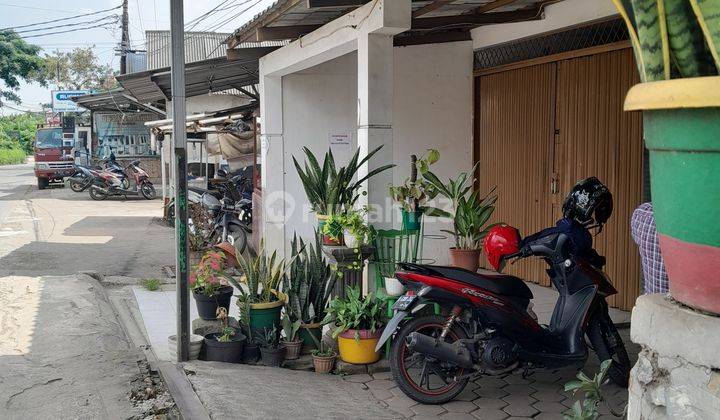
(59,232)
(63,353)
(15,180)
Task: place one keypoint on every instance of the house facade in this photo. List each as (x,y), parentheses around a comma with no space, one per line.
(531,90)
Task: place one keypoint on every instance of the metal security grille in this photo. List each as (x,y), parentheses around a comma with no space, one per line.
(600,33)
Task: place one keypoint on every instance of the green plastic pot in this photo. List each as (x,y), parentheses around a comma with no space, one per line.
(267,315)
(411,220)
(682,133)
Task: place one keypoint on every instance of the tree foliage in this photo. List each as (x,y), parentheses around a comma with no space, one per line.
(18,131)
(18,61)
(79,69)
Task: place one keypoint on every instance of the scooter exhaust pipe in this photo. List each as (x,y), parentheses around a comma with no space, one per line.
(454,353)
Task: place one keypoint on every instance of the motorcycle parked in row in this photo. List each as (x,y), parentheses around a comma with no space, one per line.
(84,175)
(489,327)
(110,184)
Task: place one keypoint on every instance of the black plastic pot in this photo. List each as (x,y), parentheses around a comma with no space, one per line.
(273,357)
(207,305)
(224,351)
(251,353)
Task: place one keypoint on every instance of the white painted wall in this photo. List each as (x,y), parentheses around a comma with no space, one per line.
(433,109)
(316,102)
(558,15)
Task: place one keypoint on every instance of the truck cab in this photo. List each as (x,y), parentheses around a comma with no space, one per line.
(53,160)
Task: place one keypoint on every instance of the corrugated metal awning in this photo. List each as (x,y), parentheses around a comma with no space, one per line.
(201,77)
(115,100)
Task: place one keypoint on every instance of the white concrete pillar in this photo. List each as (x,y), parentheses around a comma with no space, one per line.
(273,163)
(375,102)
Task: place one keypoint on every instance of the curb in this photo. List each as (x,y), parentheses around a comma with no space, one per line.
(174,376)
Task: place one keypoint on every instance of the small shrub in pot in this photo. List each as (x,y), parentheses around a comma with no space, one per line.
(272,351)
(209,284)
(291,341)
(225,346)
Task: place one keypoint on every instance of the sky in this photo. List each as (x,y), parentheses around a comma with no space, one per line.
(144,15)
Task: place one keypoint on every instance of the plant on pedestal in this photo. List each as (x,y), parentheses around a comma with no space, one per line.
(469,213)
(680,40)
(356,232)
(357,323)
(308,286)
(414,193)
(209,285)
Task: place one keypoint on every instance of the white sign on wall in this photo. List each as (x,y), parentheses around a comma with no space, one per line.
(340,139)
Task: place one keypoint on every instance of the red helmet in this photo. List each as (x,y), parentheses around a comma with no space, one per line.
(501,240)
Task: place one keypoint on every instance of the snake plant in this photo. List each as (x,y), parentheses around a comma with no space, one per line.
(330,189)
(673,38)
(309,282)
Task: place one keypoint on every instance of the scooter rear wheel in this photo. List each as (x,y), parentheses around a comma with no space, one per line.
(607,343)
(148,191)
(434,383)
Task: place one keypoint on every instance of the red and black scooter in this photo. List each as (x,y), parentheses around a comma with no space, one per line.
(488,326)
(109,183)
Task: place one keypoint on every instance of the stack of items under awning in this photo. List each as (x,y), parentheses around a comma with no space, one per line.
(234,142)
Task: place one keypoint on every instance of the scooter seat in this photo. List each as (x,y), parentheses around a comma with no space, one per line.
(494,282)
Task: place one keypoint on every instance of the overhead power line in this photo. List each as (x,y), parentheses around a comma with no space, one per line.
(88,22)
(58,20)
(104,25)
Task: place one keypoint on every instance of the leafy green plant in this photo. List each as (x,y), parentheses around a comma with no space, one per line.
(354,222)
(262,274)
(322,349)
(469,213)
(270,338)
(209,275)
(355,313)
(414,192)
(333,226)
(309,282)
(330,189)
(290,328)
(12,156)
(151,284)
(587,409)
(673,38)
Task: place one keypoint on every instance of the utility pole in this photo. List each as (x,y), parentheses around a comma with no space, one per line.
(177,83)
(125,43)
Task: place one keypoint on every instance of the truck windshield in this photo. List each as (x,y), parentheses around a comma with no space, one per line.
(48,138)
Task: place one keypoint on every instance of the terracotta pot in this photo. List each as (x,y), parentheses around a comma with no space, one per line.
(324,364)
(468,259)
(293,349)
(229,252)
(327,240)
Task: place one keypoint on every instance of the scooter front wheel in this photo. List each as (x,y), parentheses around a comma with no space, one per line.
(96,194)
(76,186)
(422,378)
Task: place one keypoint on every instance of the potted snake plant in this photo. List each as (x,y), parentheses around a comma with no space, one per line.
(308,286)
(332,189)
(677,50)
(260,300)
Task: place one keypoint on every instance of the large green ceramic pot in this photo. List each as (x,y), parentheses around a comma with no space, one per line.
(682,133)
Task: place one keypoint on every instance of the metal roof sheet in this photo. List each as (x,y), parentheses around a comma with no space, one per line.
(112,100)
(201,77)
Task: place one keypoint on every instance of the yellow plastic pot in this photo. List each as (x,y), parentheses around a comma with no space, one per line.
(359,352)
